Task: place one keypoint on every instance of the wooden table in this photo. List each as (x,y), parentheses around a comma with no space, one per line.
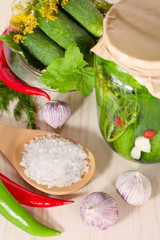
(134,223)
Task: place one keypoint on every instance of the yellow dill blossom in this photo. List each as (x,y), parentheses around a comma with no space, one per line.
(49,9)
(30,23)
(64,2)
(25,21)
(53,6)
(17,20)
(19,38)
(43,11)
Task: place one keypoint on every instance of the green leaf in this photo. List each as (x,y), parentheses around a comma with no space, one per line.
(74,57)
(87,81)
(58,80)
(70,72)
(8,39)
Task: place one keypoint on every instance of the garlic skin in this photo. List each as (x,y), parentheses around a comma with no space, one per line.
(56,113)
(134,187)
(99,210)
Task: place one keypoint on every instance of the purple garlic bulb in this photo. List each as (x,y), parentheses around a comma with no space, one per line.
(99,210)
(56,113)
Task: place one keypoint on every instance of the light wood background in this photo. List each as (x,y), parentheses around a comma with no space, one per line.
(134,223)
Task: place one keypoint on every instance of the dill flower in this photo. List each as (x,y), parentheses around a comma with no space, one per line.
(30,23)
(19,38)
(64,2)
(17,20)
(49,9)
(24,21)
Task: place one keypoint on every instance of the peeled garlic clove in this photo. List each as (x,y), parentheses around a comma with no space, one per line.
(56,113)
(133,187)
(135,153)
(99,210)
(143,144)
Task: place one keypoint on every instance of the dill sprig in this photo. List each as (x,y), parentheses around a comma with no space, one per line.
(25,104)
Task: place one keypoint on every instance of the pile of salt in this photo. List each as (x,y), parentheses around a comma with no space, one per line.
(53,161)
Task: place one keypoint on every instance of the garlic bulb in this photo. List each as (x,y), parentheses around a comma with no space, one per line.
(133,187)
(99,210)
(56,113)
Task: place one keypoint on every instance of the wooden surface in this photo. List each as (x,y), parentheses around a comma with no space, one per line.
(134,223)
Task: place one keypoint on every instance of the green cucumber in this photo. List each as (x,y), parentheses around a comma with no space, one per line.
(102,5)
(31,60)
(64,31)
(86,14)
(124,144)
(42,47)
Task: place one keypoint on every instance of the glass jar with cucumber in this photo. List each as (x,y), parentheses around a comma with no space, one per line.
(128,81)
(49,42)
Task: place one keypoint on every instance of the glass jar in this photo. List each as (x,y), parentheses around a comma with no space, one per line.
(128,115)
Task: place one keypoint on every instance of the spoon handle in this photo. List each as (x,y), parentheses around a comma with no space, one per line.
(11,137)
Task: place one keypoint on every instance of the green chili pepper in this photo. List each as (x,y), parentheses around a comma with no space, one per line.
(16,214)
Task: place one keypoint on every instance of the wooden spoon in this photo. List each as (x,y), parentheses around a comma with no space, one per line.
(12,142)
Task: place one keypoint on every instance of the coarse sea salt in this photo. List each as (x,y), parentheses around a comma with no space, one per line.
(53,161)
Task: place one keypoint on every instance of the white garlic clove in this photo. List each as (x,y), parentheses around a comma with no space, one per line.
(56,113)
(99,210)
(143,144)
(135,153)
(133,187)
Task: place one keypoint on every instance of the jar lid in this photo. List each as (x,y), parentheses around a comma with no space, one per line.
(131,35)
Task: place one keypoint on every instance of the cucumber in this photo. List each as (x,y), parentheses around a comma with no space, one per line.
(102,5)
(65,31)
(32,61)
(86,14)
(42,47)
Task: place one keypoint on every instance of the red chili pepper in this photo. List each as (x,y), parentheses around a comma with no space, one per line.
(9,79)
(25,197)
(118,121)
(149,133)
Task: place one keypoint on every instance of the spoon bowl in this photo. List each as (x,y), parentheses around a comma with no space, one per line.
(12,143)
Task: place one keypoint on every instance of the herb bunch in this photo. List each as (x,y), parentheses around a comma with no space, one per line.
(25,103)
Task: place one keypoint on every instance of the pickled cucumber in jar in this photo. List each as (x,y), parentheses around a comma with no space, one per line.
(128,114)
